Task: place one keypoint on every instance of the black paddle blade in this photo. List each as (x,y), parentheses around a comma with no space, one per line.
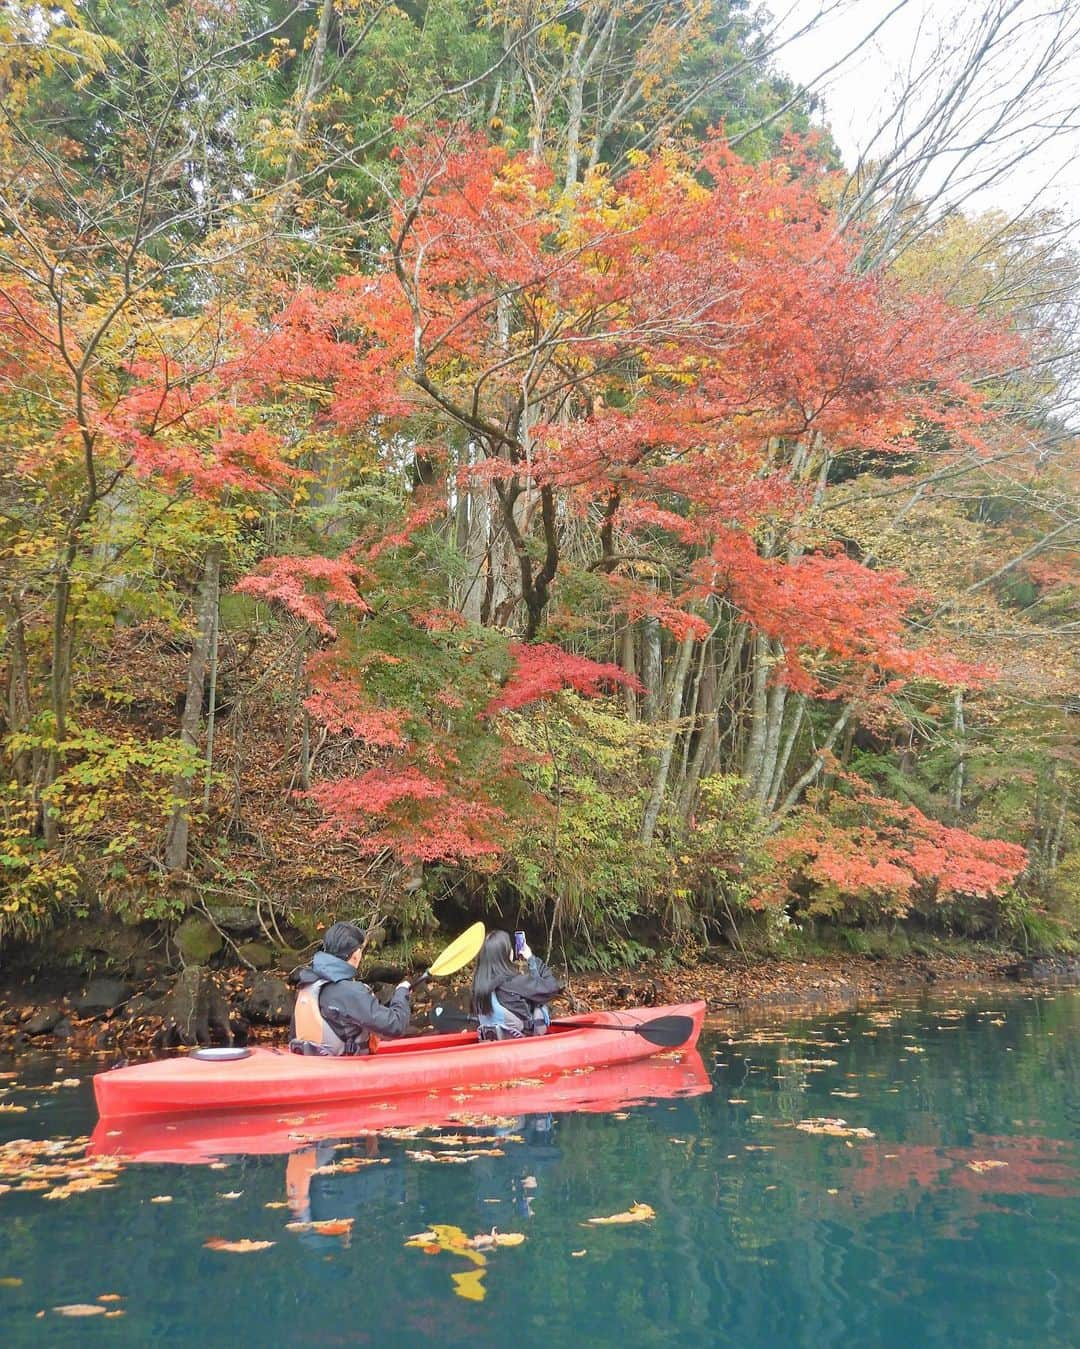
(451,1019)
(666,1031)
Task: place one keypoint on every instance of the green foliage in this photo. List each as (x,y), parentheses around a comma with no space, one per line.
(115,795)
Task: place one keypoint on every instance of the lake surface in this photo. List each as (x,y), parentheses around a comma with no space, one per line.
(942,1209)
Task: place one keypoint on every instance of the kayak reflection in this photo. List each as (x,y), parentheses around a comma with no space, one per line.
(200,1139)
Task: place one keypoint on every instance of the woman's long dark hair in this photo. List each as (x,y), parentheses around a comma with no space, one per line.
(493,969)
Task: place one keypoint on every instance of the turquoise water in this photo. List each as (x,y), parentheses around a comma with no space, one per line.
(956,1223)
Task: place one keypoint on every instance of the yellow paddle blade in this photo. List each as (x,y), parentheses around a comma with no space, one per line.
(460,951)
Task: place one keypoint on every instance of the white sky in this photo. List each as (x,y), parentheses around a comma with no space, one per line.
(863,89)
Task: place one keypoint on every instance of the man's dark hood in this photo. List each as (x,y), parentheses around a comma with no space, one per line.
(324,966)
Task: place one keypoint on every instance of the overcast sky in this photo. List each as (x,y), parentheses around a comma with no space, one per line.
(861,92)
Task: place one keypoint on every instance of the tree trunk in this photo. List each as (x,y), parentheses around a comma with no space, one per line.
(674,708)
(628,664)
(774,725)
(956,784)
(18,688)
(176,835)
(754,758)
(651,668)
(785,754)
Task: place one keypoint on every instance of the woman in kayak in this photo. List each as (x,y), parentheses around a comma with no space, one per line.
(335,1013)
(511,1002)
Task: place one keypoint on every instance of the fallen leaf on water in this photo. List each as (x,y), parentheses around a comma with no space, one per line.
(110,1297)
(81,1309)
(229,1194)
(13,1109)
(219,1166)
(110,1316)
(453,1157)
(161,1199)
(575,1254)
(328,1227)
(469,1285)
(9,1281)
(276,1203)
(980,1167)
(636,1213)
(736,1100)
(242,1246)
(495,1238)
(834,1128)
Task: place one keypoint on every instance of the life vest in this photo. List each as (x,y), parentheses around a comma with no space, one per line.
(505,1024)
(310,1023)
(502,1024)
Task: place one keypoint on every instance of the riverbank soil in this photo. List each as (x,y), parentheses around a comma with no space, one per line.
(56,1011)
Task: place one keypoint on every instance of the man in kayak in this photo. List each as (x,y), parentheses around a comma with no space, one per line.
(337,1014)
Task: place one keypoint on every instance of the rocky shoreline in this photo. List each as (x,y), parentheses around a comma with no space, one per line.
(199,1005)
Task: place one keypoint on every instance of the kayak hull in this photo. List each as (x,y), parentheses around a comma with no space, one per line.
(199,1139)
(270,1077)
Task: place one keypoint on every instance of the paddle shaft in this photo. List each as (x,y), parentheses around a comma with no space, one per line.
(665,1031)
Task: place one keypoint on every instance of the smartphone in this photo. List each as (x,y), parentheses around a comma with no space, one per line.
(519,944)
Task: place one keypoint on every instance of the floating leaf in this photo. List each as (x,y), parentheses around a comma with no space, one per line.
(81,1309)
(495,1238)
(577,1254)
(243,1246)
(636,1213)
(9,1281)
(161,1199)
(469,1284)
(834,1128)
(230,1194)
(328,1227)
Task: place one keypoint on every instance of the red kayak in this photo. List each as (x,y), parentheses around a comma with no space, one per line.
(194,1139)
(271,1077)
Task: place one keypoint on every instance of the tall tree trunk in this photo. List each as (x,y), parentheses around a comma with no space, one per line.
(774,725)
(18,687)
(176,835)
(754,758)
(785,754)
(628,664)
(956,783)
(651,668)
(211,702)
(663,768)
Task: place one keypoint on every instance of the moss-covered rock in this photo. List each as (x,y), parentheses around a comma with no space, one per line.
(197,939)
(257,954)
(234,917)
